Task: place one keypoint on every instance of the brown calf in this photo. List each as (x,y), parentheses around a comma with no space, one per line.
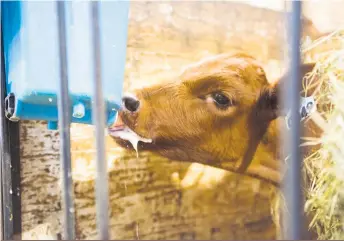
(221,112)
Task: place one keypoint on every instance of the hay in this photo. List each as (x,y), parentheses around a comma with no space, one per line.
(325,167)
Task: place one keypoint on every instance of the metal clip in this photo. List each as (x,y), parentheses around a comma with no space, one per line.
(307,107)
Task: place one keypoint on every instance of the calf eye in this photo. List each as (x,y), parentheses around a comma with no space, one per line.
(221,100)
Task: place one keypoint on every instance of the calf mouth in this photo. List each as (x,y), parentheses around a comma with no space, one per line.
(126,137)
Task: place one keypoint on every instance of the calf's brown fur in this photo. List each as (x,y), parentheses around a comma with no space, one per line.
(185,123)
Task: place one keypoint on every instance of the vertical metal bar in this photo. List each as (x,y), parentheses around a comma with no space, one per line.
(10,214)
(6,204)
(2,113)
(98,112)
(15,191)
(64,128)
(292,184)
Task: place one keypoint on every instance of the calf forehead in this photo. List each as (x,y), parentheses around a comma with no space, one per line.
(237,68)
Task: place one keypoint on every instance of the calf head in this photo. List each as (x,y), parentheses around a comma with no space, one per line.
(219,112)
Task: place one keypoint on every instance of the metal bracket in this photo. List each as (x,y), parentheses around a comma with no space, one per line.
(307,107)
(10,105)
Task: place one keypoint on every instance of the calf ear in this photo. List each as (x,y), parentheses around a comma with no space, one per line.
(268,105)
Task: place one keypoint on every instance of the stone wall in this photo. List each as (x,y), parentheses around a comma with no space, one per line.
(152,197)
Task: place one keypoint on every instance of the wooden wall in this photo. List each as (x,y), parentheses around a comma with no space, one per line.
(152,197)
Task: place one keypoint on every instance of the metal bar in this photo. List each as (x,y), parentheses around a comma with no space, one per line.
(98,112)
(10,167)
(6,179)
(14,148)
(292,183)
(2,113)
(10,219)
(64,128)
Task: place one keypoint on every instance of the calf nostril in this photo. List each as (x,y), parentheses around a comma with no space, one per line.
(131,104)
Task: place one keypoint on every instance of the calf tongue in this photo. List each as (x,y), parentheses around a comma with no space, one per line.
(119,124)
